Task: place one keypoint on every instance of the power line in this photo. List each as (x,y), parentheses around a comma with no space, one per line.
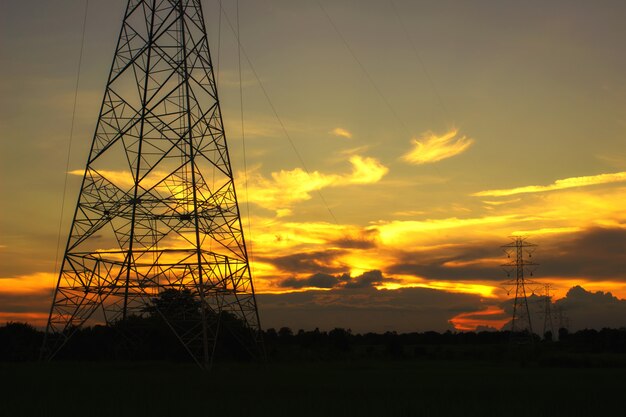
(420,60)
(219,41)
(280,122)
(243,139)
(69,146)
(360,64)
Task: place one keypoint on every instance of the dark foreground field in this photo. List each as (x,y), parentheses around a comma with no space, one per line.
(387,388)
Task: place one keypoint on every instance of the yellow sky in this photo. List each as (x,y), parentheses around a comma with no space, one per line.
(416,159)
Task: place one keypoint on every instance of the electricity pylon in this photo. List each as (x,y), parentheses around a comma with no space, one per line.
(157,210)
(520,250)
(548,319)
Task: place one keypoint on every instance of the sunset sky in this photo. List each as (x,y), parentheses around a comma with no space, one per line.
(412,139)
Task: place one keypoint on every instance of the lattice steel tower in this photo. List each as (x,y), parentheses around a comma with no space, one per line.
(548,315)
(157,209)
(520,249)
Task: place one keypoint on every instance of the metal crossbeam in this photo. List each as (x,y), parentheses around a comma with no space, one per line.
(157,209)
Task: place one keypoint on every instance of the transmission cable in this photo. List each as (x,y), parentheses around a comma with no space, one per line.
(280,122)
(363,69)
(420,60)
(243,138)
(69,146)
(219,41)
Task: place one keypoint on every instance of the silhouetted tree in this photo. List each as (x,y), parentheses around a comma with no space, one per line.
(285,333)
(19,342)
(340,339)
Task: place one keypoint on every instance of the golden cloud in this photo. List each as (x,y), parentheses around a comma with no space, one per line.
(399,233)
(546,215)
(277,237)
(365,171)
(286,187)
(432,147)
(562,184)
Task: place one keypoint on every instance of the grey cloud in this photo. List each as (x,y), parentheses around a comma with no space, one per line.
(367,279)
(366,309)
(320,280)
(307,262)
(38,302)
(367,240)
(585,309)
(579,309)
(430,264)
(594,254)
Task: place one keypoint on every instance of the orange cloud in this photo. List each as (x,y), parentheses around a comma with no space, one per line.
(28,284)
(492,316)
(433,148)
(560,286)
(486,291)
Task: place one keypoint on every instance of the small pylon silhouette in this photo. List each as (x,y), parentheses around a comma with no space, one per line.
(520,250)
(548,316)
(157,212)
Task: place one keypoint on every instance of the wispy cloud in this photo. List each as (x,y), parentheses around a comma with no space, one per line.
(353,151)
(432,147)
(500,203)
(557,185)
(615,160)
(341,132)
(492,316)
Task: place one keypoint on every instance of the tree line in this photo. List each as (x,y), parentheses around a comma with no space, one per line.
(149,336)
(145,338)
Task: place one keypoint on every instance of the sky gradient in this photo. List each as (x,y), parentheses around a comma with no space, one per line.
(412,139)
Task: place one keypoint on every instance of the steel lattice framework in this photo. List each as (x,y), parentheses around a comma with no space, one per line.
(518,250)
(157,208)
(548,314)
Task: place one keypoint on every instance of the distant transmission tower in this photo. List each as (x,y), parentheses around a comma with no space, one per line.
(548,316)
(520,251)
(157,211)
(564,321)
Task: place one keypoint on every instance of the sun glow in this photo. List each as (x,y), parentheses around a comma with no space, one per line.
(493,317)
(26,284)
(486,291)
(32,318)
(405,281)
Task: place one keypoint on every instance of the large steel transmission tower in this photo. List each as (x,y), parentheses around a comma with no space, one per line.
(519,250)
(157,209)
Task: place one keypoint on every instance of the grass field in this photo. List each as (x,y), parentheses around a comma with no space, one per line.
(403,388)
